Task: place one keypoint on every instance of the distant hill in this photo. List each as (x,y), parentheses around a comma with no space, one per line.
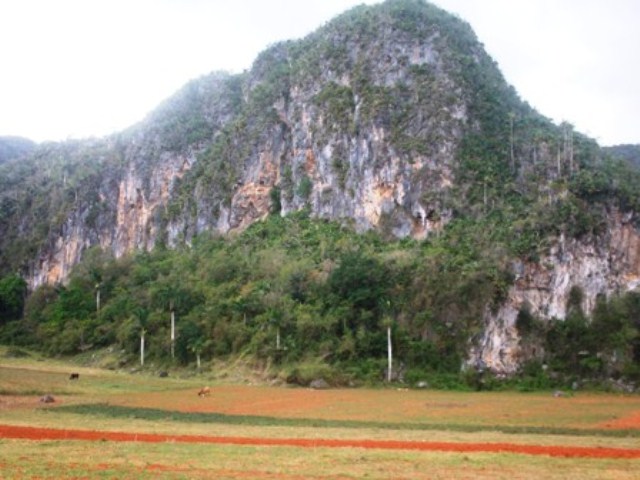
(14,147)
(628,152)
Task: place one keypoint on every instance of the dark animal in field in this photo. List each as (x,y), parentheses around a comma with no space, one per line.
(204,392)
(163,374)
(74,376)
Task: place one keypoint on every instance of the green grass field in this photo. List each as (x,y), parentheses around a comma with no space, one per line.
(114,401)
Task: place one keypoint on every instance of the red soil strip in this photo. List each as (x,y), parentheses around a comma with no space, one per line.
(629,422)
(33,433)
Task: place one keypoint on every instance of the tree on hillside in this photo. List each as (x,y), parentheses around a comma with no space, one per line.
(177,300)
(141,315)
(13,290)
(387,322)
(197,346)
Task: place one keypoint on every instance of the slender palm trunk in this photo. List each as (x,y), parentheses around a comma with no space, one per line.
(173,333)
(389,355)
(142,350)
(513,157)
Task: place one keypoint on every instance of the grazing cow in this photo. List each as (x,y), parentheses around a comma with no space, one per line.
(74,376)
(204,392)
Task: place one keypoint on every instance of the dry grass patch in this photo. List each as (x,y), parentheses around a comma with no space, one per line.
(583,410)
(68,459)
(441,412)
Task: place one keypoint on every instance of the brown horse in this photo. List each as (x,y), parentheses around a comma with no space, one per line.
(204,392)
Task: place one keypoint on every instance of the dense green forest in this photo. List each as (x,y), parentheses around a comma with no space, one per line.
(628,152)
(311,298)
(14,147)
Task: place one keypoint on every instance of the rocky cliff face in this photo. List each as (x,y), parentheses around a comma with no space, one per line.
(390,117)
(128,218)
(601,266)
(135,182)
(359,122)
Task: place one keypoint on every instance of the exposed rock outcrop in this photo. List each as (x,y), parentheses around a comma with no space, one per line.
(605,265)
(390,117)
(369,139)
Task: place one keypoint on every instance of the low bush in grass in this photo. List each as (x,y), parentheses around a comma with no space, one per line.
(534,377)
(437,380)
(305,372)
(15,352)
(369,371)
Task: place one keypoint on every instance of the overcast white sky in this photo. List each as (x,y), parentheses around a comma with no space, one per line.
(76,68)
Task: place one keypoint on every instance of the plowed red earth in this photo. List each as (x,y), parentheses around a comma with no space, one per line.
(33,433)
(630,422)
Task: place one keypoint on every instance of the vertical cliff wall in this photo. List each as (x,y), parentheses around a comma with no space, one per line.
(599,266)
(390,117)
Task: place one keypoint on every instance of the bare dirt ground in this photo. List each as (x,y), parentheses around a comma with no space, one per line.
(629,422)
(590,411)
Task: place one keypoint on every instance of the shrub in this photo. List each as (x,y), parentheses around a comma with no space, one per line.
(305,372)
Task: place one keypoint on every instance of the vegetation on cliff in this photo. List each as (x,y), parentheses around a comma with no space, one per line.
(501,183)
(312,298)
(15,147)
(630,153)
